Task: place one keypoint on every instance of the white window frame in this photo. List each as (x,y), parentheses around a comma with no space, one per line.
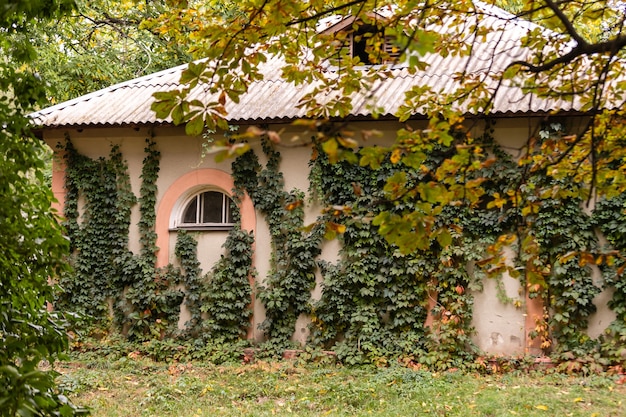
(178,213)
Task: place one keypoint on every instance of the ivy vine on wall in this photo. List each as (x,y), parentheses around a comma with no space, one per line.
(98,236)
(556,238)
(109,281)
(219,301)
(610,218)
(287,289)
(107,277)
(227,295)
(152,297)
(375,299)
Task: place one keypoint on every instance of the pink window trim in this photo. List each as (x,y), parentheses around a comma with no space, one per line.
(58,180)
(207,176)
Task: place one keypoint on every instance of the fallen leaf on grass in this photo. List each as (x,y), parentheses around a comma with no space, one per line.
(542,407)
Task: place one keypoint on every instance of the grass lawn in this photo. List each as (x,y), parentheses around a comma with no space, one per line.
(138,387)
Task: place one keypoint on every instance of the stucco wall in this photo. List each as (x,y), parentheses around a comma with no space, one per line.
(500,324)
(501,328)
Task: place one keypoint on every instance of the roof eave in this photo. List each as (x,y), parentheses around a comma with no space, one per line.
(38,130)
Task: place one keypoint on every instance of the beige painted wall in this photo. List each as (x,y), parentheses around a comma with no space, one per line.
(500,328)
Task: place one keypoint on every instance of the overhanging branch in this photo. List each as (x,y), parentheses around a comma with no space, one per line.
(585,49)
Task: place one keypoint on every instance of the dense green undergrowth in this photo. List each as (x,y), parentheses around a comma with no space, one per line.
(219,351)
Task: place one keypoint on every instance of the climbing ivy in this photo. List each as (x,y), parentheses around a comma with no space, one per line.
(556,236)
(152,296)
(375,300)
(362,310)
(560,227)
(226,299)
(609,217)
(219,302)
(287,289)
(145,299)
(371,296)
(186,250)
(228,294)
(99,237)
(147,203)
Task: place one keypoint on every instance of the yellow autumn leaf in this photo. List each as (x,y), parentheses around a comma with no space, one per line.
(542,407)
(578,399)
(395,156)
(294,205)
(331,147)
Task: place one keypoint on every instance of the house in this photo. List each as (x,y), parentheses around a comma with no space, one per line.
(195,192)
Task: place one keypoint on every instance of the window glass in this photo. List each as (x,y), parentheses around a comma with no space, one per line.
(208,209)
(191,211)
(212,207)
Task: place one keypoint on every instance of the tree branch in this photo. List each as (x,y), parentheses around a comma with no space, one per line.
(611,46)
(325,12)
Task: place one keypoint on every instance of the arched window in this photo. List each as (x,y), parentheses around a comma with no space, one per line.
(211,210)
(176,198)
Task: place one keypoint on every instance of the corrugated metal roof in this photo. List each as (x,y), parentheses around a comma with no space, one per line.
(273,99)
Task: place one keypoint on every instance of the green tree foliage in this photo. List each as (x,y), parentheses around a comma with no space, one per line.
(289,29)
(33,247)
(575,51)
(101,43)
